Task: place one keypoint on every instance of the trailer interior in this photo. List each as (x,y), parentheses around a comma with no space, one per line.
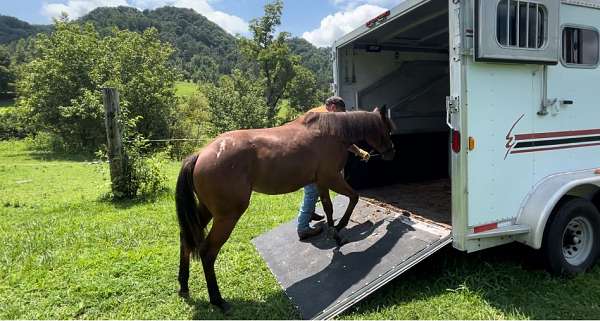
(404,64)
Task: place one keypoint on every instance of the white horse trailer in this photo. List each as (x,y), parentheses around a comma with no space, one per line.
(497,133)
(501,96)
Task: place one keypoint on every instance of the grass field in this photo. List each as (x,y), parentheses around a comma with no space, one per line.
(184,88)
(66,253)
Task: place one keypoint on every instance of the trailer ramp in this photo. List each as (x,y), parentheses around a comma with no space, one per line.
(323,280)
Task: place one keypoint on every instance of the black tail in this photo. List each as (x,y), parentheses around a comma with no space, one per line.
(192,221)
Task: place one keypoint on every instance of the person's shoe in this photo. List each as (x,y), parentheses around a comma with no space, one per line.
(316,217)
(309,232)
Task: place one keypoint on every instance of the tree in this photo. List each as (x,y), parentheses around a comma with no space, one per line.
(303,91)
(61,85)
(235,102)
(203,69)
(273,58)
(7,75)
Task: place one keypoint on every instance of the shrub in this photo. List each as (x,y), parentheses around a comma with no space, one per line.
(191,121)
(61,85)
(235,102)
(14,123)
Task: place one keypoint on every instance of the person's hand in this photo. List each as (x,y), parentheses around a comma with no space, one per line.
(363,155)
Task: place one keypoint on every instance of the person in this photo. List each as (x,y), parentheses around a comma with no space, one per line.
(306,214)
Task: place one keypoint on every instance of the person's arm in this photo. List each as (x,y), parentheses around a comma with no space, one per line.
(360,153)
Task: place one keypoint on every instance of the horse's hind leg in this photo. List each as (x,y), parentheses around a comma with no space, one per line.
(184,268)
(218,235)
(185,252)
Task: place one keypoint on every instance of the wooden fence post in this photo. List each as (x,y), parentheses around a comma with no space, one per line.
(116,154)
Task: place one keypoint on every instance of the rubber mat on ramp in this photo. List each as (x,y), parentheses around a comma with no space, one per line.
(323,280)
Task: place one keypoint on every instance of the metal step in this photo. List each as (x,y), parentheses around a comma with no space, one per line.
(323,280)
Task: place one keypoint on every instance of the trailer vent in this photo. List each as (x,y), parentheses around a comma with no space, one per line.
(521,24)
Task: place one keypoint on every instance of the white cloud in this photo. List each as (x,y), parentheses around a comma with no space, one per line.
(340,23)
(232,24)
(77,8)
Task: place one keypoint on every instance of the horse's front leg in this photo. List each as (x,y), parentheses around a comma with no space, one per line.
(327,205)
(328,208)
(340,186)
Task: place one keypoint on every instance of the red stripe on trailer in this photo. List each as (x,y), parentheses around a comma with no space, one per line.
(486,227)
(520,151)
(558,134)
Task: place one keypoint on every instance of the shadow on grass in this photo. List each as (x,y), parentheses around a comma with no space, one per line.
(125,203)
(510,278)
(60,156)
(273,307)
(7,101)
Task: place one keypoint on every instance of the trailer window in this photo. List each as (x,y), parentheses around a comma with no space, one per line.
(580,46)
(521,24)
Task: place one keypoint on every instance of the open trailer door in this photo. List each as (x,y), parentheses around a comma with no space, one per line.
(323,279)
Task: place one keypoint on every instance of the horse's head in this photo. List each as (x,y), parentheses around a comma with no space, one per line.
(381,140)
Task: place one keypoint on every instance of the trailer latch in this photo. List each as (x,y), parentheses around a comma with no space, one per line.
(452,105)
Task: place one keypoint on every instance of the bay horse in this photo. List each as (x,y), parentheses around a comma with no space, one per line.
(217,182)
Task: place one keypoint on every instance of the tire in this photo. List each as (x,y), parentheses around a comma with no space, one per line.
(572,237)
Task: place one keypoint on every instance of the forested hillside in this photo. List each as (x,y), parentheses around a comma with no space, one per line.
(12,29)
(203,50)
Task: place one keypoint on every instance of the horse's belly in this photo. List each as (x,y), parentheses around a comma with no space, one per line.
(277,182)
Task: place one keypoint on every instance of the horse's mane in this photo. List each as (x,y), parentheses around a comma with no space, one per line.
(351,126)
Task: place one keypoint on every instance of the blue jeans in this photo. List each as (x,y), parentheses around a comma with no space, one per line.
(311,194)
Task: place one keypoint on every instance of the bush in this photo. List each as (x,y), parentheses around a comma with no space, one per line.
(61,85)
(192,121)
(147,178)
(45,141)
(235,102)
(14,123)
(144,172)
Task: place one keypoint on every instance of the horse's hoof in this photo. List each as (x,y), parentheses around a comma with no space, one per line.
(223,306)
(342,242)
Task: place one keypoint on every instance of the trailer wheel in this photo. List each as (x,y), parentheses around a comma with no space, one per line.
(571,241)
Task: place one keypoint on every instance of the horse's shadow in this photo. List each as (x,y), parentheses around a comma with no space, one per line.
(353,234)
(347,268)
(274,307)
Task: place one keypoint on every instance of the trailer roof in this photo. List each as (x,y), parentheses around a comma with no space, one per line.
(411,5)
(395,12)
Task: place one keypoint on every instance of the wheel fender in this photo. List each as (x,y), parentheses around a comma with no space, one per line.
(539,203)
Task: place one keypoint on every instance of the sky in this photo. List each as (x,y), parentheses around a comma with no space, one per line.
(318,21)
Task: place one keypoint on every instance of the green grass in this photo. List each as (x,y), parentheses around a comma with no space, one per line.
(184,88)
(66,253)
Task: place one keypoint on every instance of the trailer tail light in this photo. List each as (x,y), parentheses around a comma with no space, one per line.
(486,227)
(455,141)
(377,20)
(471,143)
